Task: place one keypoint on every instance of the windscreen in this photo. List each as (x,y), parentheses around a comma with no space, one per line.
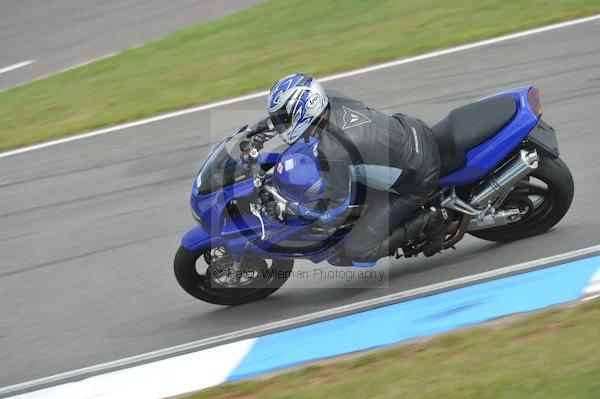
(224,166)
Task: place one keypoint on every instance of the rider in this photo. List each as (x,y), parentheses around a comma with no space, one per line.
(396,157)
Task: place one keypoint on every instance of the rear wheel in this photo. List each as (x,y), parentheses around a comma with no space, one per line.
(544,198)
(211,276)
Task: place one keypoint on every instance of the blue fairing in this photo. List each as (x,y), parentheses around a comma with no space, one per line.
(241,234)
(198,239)
(297,175)
(484,158)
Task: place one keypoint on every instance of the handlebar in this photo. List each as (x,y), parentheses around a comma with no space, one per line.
(258,174)
(264,125)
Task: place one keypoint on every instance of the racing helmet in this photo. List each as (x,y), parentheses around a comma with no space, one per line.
(295,103)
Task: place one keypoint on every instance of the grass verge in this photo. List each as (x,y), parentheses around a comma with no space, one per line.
(248,50)
(552,354)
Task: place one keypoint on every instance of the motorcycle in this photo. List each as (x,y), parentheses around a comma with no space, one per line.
(501,180)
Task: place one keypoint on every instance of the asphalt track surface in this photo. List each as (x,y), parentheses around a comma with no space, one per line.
(58,34)
(90,227)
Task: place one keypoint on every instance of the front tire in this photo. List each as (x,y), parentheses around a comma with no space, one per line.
(555,201)
(209,286)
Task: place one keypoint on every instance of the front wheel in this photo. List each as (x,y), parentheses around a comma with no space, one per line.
(545,197)
(210,276)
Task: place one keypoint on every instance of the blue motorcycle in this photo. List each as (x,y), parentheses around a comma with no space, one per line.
(501,180)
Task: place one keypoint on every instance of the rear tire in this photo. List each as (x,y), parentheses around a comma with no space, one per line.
(557,198)
(203,286)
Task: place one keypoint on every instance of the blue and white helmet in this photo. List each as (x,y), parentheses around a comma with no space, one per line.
(295,103)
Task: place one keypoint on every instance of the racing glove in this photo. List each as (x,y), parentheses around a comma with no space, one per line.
(261,132)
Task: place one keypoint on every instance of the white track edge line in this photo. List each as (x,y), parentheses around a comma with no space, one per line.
(16,66)
(68,68)
(342,75)
(353,307)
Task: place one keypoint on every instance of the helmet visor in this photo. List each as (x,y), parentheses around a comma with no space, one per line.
(281,120)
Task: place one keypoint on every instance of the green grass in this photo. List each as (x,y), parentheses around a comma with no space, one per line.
(553,354)
(250,49)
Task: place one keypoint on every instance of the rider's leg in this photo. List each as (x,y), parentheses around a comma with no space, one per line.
(431,222)
(370,238)
(391,222)
(428,223)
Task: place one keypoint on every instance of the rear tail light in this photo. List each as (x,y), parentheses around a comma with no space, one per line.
(535,104)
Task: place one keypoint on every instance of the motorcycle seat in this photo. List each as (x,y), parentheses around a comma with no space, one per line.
(470,125)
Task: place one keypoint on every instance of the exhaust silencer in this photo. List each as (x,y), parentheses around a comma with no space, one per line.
(501,182)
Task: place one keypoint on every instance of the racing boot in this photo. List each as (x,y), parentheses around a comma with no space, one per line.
(435,231)
(412,228)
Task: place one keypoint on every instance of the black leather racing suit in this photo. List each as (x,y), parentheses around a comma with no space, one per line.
(396,157)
